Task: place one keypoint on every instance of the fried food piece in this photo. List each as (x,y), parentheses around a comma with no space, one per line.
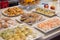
(30,17)
(14,11)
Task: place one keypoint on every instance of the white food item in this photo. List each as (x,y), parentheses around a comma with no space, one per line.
(29,37)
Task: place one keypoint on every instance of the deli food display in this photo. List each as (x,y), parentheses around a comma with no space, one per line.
(30,18)
(6,22)
(13,11)
(21,32)
(17,23)
(45,12)
(49,24)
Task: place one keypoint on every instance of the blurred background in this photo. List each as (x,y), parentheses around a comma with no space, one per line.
(9,3)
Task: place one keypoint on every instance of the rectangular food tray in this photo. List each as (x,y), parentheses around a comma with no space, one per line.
(47,15)
(47,30)
(46,10)
(39,35)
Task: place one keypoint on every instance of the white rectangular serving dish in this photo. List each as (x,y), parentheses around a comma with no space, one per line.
(49,29)
(38,34)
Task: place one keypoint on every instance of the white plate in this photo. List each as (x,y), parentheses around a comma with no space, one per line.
(46,31)
(5,14)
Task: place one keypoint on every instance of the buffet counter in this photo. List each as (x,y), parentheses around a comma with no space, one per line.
(37,24)
(44,36)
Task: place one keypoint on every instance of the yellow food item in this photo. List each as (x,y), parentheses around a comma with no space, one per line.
(17,33)
(11,39)
(45,12)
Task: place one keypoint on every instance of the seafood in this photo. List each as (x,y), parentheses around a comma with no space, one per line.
(50,23)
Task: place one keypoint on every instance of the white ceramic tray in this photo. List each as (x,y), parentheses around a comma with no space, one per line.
(38,34)
(46,31)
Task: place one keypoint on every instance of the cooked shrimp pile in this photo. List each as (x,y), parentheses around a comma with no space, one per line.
(48,24)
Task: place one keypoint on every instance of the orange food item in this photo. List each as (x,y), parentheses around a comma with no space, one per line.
(29,2)
(52,7)
(14,11)
(48,24)
(5,25)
